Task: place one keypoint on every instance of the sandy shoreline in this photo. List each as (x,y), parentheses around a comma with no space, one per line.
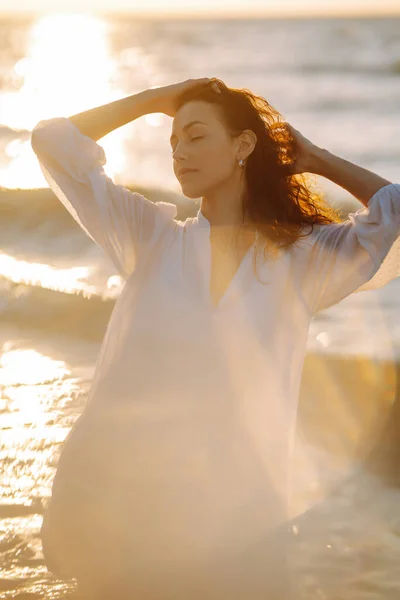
(347,413)
(344,402)
(346,398)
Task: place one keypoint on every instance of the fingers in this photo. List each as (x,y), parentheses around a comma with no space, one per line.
(211,80)
(215,85)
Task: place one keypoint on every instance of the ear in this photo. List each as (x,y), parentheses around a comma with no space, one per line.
(248,140)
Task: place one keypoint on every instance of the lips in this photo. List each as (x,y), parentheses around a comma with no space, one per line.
(184,171)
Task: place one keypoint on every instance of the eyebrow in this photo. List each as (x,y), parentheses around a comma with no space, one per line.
(186,127)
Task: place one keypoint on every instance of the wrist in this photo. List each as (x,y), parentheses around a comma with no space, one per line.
(318,160)
(150,100)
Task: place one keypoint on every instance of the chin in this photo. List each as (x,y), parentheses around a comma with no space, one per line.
(191,191)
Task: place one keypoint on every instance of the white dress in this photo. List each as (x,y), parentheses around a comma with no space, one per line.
(182,450)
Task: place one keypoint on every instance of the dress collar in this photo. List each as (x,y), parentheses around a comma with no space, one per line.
(204,224)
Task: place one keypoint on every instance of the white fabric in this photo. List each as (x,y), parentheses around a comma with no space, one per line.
(361,253)
(201,400)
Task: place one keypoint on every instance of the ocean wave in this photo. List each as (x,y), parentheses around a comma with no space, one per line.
(50,311)
(30,209)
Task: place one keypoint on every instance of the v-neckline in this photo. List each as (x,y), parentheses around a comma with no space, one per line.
(232,282)
(204,224)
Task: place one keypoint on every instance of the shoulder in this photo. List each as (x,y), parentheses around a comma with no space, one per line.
(307,238)
(321,233)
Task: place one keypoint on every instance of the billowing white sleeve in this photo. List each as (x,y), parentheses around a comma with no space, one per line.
(123,223)
(361,253)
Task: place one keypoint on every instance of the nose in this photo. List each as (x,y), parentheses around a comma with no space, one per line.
(175,155)
(179,153)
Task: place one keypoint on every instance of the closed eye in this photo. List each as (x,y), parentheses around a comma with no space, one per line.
(199,137)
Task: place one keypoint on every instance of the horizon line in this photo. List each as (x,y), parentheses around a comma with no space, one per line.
(206,14)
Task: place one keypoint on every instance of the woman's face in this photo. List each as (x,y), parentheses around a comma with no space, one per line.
(204,146)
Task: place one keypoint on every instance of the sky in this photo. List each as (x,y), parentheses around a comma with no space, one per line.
(212,7)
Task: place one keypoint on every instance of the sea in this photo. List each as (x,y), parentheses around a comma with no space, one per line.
(337,80)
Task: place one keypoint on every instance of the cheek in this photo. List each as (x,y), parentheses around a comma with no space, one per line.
(216,160)
(220,167)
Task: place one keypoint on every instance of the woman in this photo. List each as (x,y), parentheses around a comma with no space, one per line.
(174,482)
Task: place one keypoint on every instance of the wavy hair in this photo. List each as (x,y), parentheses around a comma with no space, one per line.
(277,203)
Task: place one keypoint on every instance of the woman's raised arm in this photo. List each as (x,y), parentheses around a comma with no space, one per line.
(98,122)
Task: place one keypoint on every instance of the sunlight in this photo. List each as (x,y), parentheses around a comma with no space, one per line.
(64,280)
(28,380)
(154,119)
(29,367)
(59,78)
(34,389)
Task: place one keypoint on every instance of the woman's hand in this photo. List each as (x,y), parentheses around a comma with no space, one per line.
(165,97)
(304,151)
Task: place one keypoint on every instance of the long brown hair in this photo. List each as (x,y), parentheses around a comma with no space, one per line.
(278,204)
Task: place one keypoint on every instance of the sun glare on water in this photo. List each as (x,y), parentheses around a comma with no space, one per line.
(68,68)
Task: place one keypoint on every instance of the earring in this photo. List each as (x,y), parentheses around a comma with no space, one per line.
(241,162)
